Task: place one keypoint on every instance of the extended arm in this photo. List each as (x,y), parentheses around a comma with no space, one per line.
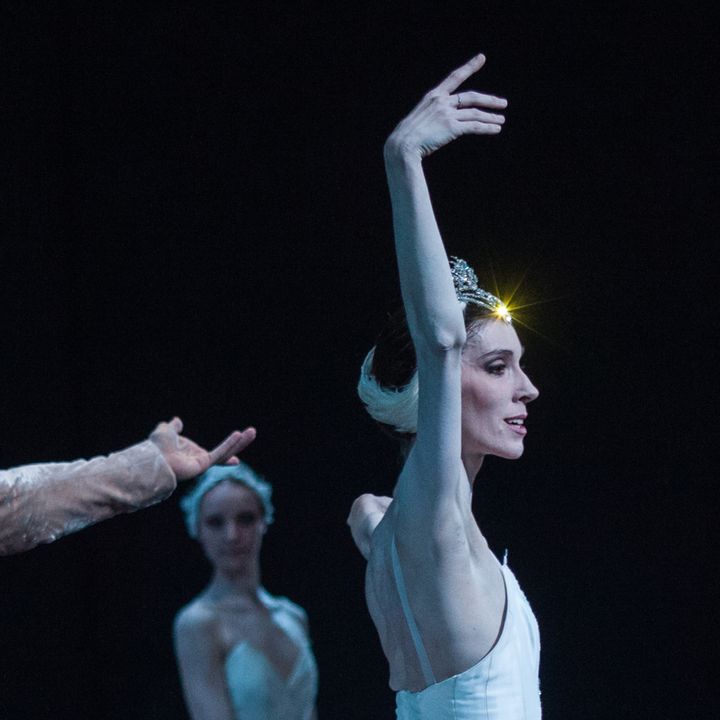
(41,503)
(434,315)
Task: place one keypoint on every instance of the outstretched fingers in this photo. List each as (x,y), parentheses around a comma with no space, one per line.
(476,112)
(473,112)
(458,76)
(479,115)
(475,122)
(474,99)
(234,443)
(474,127)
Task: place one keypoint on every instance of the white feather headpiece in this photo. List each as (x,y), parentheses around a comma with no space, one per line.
(397,407)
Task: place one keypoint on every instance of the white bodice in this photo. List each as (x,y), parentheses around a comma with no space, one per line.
(502,686)
(257,690)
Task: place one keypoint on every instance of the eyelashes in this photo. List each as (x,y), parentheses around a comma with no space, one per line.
(496,368)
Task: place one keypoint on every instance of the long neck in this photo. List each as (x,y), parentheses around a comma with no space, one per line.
(472,464)
(225,583)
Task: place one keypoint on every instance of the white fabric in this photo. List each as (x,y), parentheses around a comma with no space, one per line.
(502,686)
(256,689)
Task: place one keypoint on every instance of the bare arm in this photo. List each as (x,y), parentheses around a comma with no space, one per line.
(41,503)
(200,663)
(434,469)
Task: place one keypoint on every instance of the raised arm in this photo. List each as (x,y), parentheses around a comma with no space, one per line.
(41,503)
(434,315)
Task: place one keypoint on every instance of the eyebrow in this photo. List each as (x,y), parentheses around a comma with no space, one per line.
(501,351)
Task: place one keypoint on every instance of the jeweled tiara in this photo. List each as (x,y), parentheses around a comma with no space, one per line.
(468,291)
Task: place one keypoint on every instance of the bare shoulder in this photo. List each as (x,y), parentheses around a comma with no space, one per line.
(196,620)
(367,507)
(366,513)
(287,604)
(295,611)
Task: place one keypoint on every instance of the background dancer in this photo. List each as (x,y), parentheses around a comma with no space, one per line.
(243,654)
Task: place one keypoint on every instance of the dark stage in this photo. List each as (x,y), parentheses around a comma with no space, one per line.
(196,222)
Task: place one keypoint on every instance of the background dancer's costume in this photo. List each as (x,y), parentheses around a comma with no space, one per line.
(257,691)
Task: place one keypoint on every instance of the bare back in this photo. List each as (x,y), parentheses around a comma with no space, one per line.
(455,592)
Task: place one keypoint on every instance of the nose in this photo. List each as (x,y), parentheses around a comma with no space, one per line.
(526,392)
(232,531)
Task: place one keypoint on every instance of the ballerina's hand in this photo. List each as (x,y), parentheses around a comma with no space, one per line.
(444,115)
(187,459)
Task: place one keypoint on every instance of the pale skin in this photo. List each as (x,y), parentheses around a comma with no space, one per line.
(472,403)
(229,610)
(187,459)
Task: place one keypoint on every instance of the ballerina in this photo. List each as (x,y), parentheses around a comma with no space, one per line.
(243,654)
(445,378)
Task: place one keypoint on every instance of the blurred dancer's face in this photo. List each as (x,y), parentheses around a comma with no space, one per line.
(495,391)
(231,526)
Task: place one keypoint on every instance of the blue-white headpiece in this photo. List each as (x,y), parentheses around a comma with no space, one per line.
(241,473)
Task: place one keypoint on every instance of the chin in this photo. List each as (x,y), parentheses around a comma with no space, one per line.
(509,453)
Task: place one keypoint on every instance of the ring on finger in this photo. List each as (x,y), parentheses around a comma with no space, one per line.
(459,101)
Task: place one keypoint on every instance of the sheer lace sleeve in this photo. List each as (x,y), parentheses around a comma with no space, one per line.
(41,503)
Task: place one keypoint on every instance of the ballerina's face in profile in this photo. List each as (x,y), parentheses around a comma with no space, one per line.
(495,391)
(231,526)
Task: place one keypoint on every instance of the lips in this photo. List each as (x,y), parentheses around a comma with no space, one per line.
(517,424)
(234,550)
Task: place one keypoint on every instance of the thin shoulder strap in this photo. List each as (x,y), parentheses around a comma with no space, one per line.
(412,625)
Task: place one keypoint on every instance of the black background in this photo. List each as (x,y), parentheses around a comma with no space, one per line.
(196,223)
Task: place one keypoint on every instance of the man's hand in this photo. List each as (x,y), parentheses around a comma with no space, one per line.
(187,459)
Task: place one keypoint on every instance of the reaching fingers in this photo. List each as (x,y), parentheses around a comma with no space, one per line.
(458,76)
(245,438)
(233,444)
